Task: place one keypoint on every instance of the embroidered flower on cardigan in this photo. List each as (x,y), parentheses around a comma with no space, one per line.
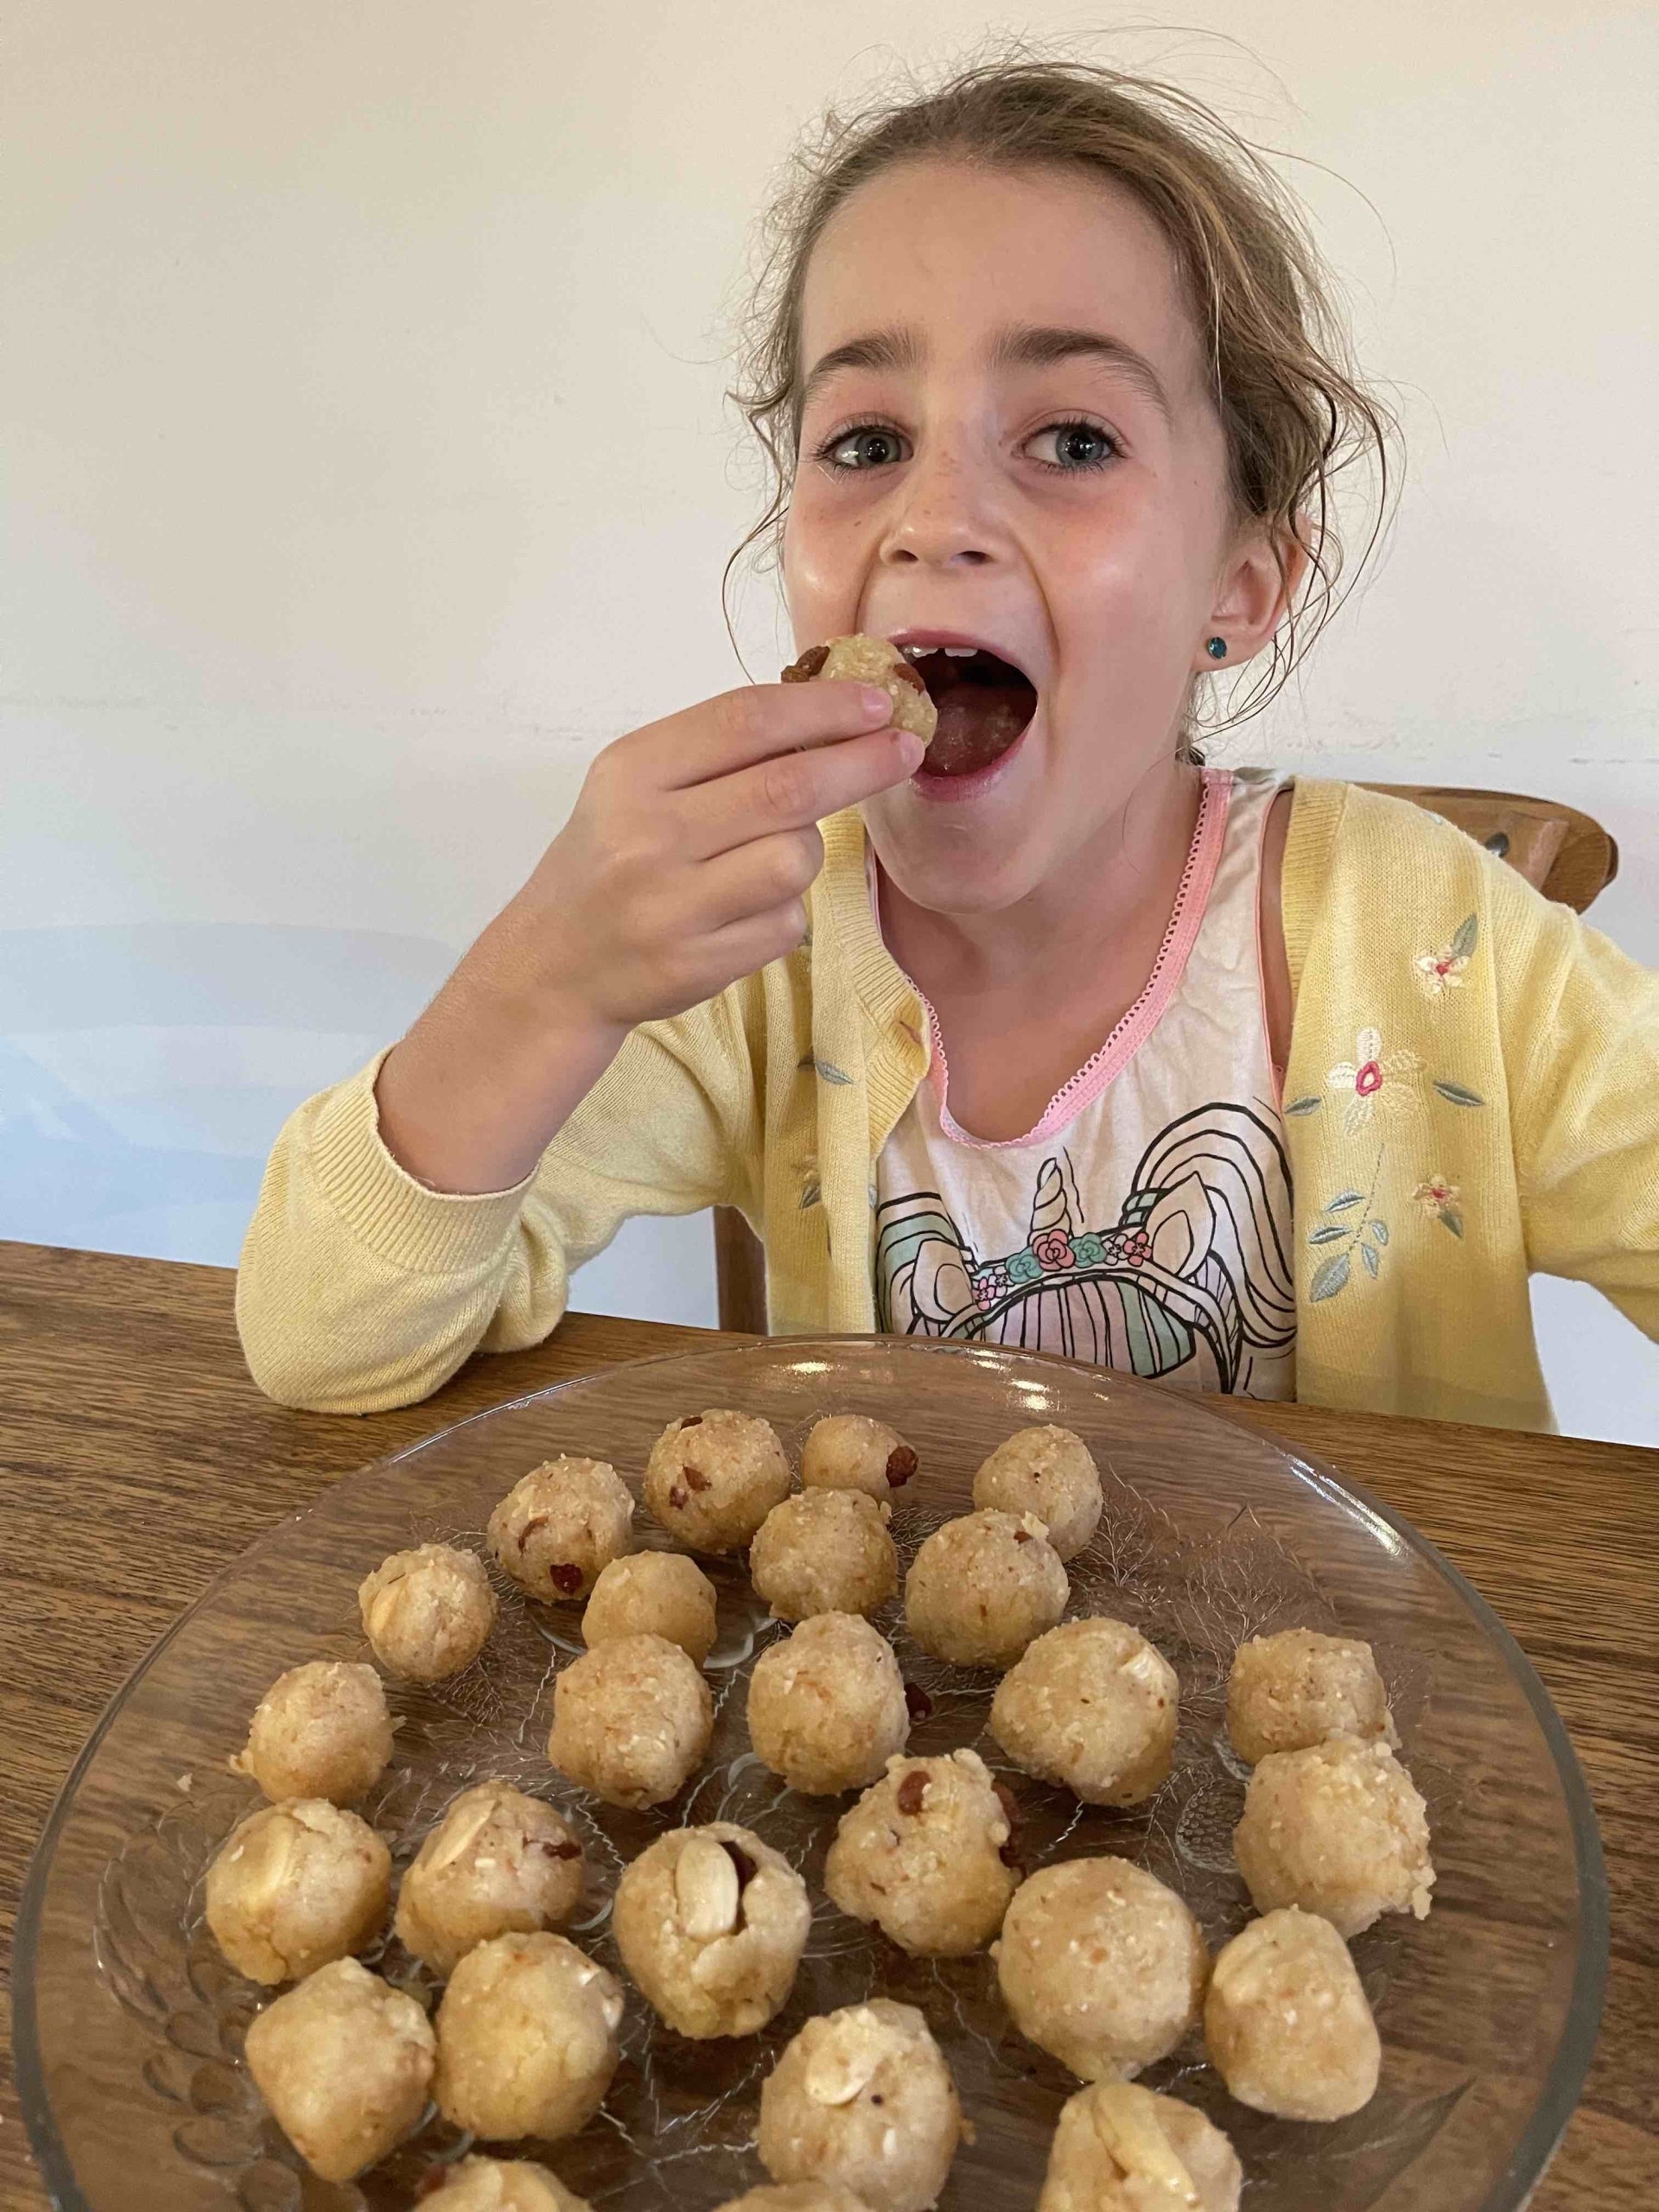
(1440,1201)
(1440,972)
(1375,1084)
(1053,1249)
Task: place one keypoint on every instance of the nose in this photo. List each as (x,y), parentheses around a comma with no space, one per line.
(940,516)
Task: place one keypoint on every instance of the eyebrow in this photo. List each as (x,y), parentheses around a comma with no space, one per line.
(1021,344)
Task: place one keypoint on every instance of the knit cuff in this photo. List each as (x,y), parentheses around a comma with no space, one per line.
(424,1231)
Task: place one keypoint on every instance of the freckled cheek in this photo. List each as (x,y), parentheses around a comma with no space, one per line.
(824,558)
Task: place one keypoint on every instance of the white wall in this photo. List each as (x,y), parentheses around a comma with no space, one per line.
(367,468)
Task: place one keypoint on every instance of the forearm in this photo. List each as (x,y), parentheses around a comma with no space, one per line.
(472,1096)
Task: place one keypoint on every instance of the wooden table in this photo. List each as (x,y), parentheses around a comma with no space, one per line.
(137,1459)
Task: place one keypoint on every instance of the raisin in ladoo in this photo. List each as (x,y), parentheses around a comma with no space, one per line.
(871,660)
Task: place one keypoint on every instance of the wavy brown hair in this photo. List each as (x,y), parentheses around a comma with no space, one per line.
(1296,413)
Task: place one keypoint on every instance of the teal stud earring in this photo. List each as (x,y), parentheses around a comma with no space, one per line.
(1217,649)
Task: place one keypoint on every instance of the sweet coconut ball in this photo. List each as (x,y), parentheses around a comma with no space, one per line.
(1338,1829)
(1120,2148)
(713,1477)
(1287,2023)
(502,2185)
(795,2196)
(927,1854)
(827,1707)
(1103,1965)
(498,1861)
(560,1526)
(824,1551)
(296,1886)
(711,1922)
(852,1452)
(862,2098)
(1297,1688)
(1048,1471)
(345,2062)
(320,1730)
(653,1593)
(526,2039)
(632,1720)
(428,1613)
(982,1588)
(1094,1707)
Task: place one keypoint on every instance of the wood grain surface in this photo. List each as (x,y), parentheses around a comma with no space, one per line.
(137,1459)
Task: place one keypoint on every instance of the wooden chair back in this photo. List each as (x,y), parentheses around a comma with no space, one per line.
(1565,854)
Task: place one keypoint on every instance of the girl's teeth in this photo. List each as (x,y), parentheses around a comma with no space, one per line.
(959,652)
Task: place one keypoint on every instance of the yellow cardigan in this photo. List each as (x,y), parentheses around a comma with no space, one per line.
(1472,1093)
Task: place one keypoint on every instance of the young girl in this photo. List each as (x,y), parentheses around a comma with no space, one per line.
(1054,1036)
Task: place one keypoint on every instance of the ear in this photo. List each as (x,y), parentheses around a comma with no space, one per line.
(1256,588)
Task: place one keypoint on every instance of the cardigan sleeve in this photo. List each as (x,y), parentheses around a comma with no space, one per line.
(1583,1019)
(359,1288)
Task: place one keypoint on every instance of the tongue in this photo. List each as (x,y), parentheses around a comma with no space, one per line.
(978,724)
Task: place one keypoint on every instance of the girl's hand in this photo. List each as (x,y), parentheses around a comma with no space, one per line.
(684,865)
(686,861)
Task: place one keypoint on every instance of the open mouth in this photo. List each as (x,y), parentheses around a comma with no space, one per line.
(985,704)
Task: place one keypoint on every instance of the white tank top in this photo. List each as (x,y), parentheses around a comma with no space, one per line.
(1145,1223)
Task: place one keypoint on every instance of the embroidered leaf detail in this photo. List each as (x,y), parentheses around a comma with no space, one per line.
(1372,1259)
(1304,1105)
(811,1193)
(1457,1094)
(1343,1200)
(1379,1230)
(1452,1221)
(1463,943)
(827,1068)
(1329,1277)
(1332,1233)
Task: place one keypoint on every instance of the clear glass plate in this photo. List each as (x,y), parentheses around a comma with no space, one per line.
(128,2026)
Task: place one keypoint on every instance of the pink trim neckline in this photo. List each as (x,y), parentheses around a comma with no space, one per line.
(1131,1032)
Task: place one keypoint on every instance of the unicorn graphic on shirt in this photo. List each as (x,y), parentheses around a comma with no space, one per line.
(1192,1280)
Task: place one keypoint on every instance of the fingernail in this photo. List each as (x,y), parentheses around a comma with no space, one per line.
(876,704)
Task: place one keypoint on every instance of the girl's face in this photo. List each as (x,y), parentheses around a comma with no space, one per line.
(1007,442)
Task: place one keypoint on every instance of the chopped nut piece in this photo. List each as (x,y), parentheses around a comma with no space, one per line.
(707,1889)
(1126,2121)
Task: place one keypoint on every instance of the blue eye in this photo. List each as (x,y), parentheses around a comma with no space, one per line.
(867,445)
(1078,445)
